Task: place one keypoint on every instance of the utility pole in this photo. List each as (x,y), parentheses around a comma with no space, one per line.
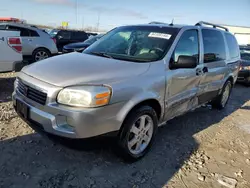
(82,22)
(76,10)
(98,21)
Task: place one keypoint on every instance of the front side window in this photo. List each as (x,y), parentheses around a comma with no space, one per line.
(232,45)
(214,46)
(135,43)
(188,45)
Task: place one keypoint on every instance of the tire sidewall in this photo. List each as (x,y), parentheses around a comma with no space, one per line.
(224,87)
(128,123)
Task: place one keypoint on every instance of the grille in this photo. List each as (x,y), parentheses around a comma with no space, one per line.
(31,93)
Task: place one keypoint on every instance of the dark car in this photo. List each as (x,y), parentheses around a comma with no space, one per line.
(80,46)
(244,73)
(64,37)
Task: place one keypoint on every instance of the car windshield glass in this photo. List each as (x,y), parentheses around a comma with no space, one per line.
(245,54)
(92,39)
(135,43)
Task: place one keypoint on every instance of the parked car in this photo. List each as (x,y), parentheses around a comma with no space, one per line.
(244,73)
(37,45)
(64,37)
(11,50)
(129,82)
(80,46)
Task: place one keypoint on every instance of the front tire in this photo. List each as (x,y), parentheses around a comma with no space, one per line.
(221,101)
(138,132)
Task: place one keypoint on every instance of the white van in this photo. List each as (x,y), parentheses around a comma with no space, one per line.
(10,50)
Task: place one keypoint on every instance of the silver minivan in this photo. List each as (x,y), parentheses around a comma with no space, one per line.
(129,82)
(37,44)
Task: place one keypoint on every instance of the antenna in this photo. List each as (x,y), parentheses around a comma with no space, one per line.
(172,23)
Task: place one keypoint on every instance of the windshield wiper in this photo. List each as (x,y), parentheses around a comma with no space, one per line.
(102,54)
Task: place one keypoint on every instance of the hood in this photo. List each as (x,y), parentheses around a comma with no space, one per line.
(76,45)
(245,62)
(78,68)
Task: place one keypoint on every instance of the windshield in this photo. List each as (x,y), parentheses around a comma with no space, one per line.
(135,43)
(92,39)
(245,54)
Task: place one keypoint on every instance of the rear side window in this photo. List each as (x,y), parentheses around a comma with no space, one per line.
(232,45)
(79,36)
(33,33)
(214,46)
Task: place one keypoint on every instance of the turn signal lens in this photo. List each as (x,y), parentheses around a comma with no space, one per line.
(102,101)
(102,95)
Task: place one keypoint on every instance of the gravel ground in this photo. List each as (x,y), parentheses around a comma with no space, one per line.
(204,148)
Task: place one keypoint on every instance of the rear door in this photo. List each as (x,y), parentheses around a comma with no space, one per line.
(183,83)
(214,60)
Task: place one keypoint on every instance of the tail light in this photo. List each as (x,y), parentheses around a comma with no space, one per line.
(54,40)
(15,43)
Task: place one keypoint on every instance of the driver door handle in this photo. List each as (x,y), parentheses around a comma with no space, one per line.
(200,71)
(205,69)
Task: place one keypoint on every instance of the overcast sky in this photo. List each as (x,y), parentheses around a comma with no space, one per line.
(114,12)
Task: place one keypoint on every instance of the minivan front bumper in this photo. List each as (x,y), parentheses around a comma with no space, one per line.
(68,121)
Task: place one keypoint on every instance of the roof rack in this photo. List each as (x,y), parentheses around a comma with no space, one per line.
(211,24)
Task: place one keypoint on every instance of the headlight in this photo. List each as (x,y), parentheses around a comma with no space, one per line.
(85,96)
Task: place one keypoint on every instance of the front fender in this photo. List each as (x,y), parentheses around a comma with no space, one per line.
(137,99)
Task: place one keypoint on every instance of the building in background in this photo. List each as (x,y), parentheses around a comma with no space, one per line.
(241,33)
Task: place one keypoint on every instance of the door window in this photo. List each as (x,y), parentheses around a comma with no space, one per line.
(23,32)
(79,36)
(232,45)
(33,33)
(188,45)
(64,35)
(214,46)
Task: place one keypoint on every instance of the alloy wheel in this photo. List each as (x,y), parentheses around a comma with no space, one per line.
(40,55)
(140,134)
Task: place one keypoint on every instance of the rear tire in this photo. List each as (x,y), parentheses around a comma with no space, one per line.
(221,100)
(40,54)
(137,133)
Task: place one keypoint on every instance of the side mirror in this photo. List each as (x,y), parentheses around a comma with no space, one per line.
(184,61)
